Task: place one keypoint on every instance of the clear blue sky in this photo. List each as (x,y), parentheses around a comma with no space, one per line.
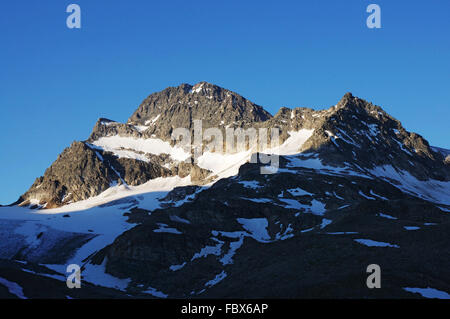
(55,82)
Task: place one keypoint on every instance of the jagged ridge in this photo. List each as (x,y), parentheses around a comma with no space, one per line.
(353,131)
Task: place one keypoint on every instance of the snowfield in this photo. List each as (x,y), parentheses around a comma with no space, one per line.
(101,217)
(130,147)
(430,190)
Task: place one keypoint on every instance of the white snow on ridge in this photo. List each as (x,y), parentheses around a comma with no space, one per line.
(330,134)
(293,143)
(431,190)
(158,186)
(228,164)
(121,146)
(107,123)
(152,121)
(92,217)
(223,164)
(155,119)
(316,163)
(141,128)
(197,89)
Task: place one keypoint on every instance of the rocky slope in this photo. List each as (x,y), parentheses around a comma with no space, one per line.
(178,107)
(144,218)
(351,131)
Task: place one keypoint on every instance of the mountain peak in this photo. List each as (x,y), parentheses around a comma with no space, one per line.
(209,89)
(203,85)
(179,106)
(352,131)
(348,95)
(351,102)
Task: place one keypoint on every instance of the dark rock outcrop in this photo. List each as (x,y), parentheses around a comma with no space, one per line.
(77,174)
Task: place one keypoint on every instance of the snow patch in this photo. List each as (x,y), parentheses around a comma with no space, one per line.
(13,288)
(155,293)
(209,250)
(217,279)
(298,192)
(257,227)
(130,147)
(386,216)
(429,292)
(373,243)
(96,274)
(250,184)
(431,190)
(163,228)
(177,267)
(234,246)
(325,223)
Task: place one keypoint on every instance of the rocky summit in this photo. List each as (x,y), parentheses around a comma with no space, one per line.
(144,217)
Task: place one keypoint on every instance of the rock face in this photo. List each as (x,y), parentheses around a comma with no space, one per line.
(295,234)
(77,174)
(81,172)
(352,131)
(179,106)
(357,131)
(352,188)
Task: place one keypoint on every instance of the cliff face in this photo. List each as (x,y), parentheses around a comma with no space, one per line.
(353,131)
(179,106)
(78,173)
(352,187)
